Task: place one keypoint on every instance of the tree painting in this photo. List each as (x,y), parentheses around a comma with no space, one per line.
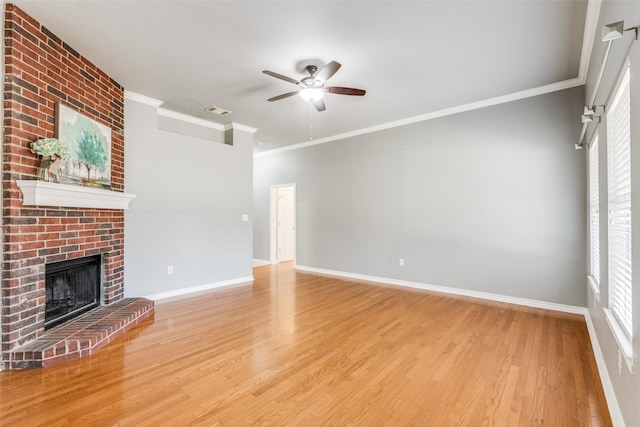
(91,151)
(90,145)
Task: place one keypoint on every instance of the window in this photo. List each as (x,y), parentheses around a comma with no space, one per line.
(619,199)
(594,217)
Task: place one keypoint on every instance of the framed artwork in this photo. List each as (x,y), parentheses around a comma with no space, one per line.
(90,145)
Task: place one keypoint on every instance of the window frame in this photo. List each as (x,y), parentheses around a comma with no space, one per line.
(622,334)
(594,215)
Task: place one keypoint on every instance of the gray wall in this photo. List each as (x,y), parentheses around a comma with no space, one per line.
(490,200)
(625,384)
(191,194)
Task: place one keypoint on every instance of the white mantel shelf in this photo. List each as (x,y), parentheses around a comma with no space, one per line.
(42,193)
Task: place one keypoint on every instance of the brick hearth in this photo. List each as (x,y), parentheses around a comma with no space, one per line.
(83,335)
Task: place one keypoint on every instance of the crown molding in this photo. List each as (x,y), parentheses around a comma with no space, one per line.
(156,103)
(132,96)
(588,38)
(189,119)
(238,126)
(541,90)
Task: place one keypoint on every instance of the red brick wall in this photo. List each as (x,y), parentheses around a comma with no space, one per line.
(40,71)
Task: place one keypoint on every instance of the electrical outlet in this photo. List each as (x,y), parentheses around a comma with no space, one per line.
(170,269)
(401,262)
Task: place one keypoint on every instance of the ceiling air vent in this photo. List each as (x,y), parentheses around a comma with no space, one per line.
(217,110)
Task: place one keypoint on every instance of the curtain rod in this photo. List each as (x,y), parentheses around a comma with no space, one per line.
(596,87)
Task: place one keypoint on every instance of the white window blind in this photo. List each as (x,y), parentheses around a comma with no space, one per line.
(594,214)
(619,199)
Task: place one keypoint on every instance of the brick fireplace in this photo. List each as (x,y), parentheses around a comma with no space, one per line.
(40,71)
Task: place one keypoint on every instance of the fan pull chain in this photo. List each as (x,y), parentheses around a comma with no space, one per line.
(310,121)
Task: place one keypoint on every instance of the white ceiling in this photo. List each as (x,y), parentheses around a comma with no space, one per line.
(412,57)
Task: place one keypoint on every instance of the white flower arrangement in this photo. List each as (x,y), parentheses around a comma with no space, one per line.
(50,147)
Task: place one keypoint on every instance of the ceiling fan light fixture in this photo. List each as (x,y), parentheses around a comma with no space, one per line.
(312,88)
(311,94)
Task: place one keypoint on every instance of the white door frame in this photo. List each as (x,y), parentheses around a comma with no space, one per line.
(273,222)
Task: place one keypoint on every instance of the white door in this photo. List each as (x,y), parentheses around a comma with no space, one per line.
(286,235)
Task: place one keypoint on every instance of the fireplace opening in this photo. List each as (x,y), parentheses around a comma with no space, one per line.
(73,288)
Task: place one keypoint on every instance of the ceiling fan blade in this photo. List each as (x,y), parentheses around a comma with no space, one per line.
(327,71)
(280,76)
(345,90)
(319,104)
(284,95)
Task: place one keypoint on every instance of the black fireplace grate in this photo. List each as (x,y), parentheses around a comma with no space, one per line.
(72,287)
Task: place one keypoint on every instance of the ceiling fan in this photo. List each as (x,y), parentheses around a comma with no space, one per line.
(312,88)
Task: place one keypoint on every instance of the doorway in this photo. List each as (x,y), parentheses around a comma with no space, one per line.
(283,223)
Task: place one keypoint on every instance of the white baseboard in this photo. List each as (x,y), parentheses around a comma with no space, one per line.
(453,291)
(199,288)
(260,262)
(605,379)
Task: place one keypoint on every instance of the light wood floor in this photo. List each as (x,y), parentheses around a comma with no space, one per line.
(302,349)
